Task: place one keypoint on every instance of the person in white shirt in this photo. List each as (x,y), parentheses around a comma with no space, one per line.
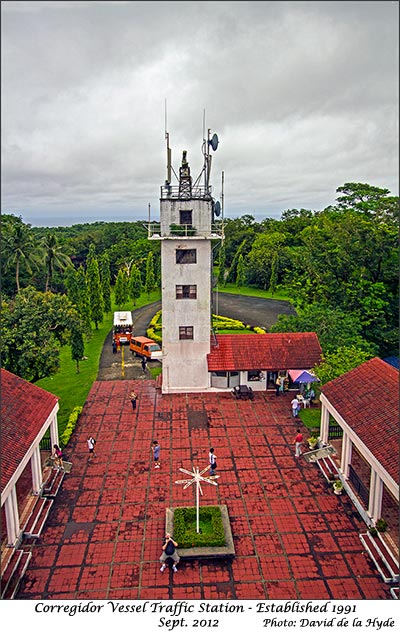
(91,442)
(295,407)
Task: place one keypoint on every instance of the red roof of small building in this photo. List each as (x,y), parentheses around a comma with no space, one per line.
(270,351)
(367,398)
(24,410)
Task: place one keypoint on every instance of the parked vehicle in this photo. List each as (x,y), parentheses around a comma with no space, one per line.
(145,347)
(122,328)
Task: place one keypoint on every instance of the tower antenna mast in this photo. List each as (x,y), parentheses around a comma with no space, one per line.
(168,181)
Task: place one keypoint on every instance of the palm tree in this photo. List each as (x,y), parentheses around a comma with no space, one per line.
(54,257)
(20,249)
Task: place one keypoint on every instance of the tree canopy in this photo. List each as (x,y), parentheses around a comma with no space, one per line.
(339,265)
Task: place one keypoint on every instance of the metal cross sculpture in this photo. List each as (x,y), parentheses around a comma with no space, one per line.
(197,477)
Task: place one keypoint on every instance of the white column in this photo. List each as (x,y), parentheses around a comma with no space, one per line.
(347,450)
(12,517)
(36,466)
(324,430)
(375,496)
(54,432)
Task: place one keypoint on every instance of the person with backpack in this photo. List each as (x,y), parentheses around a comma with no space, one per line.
(213,461)
(169,551)
(91,442)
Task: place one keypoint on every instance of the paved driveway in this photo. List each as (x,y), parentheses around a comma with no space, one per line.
(249,310)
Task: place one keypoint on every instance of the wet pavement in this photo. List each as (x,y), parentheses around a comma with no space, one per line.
(293,537)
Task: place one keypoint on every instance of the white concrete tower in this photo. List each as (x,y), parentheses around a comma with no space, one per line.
(186,234)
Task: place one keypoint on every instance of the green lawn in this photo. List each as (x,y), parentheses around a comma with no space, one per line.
(73,388)
(249,291)
(311,418)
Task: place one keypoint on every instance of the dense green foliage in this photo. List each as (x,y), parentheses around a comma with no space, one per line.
(77,347)
(93,284)
(339,362)
(34,326)
(150,280)
(210,519)
(105,279)
(338,266)
(54,258)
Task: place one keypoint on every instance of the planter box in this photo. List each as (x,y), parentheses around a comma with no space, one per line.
(227,551)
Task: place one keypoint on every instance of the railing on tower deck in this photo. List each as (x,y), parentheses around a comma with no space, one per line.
(184,231)
(175,191)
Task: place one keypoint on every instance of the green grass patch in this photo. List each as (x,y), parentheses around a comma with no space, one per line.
(248,291)
(154,371)
(311,418)
(235,331)
(73,388)
(210,523)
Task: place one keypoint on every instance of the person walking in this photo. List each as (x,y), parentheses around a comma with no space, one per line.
(114,346)
(298,442)
(156,448)
(169,551)
(295,407)
(133,398)
(213,461)
(91,442)
(144,364)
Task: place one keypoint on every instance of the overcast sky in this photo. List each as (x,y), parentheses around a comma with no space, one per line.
(303,97)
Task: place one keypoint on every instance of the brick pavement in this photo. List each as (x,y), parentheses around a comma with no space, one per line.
(294,538)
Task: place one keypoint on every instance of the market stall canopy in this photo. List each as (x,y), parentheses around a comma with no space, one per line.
(302,375)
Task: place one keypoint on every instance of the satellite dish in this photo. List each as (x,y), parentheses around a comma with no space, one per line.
(217,209)
(214,142)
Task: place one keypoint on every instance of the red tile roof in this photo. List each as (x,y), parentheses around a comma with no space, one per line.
(288,350)
(367,398)
(24,410)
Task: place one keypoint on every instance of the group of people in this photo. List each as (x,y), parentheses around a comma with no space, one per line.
(169,546)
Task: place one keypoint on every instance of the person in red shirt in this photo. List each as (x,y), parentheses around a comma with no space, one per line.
(298,443)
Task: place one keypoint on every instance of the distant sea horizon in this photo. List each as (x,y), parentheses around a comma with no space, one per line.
(58,221)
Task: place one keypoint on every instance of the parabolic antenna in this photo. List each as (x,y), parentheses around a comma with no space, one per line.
(217,209)
(214,142)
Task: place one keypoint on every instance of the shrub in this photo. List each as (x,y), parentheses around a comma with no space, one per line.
(185,527)
(156,321)
(381,525)
(154,336)
(71,424)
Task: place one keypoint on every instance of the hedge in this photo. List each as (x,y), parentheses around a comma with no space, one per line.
(71,424)
(188,537)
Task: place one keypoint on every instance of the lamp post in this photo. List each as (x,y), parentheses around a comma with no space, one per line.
(197,477)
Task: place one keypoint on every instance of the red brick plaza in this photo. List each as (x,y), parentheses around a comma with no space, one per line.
(294,538)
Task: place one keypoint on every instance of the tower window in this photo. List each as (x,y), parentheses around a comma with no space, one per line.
(186,332)
(186,292)
(186,256)
(185,217)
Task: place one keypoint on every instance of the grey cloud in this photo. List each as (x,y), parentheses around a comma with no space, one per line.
(303,96)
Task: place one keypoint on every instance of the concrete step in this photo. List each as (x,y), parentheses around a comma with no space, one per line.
(14,573)
(382,557)
(37,519)
(53,482)
(328,468)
